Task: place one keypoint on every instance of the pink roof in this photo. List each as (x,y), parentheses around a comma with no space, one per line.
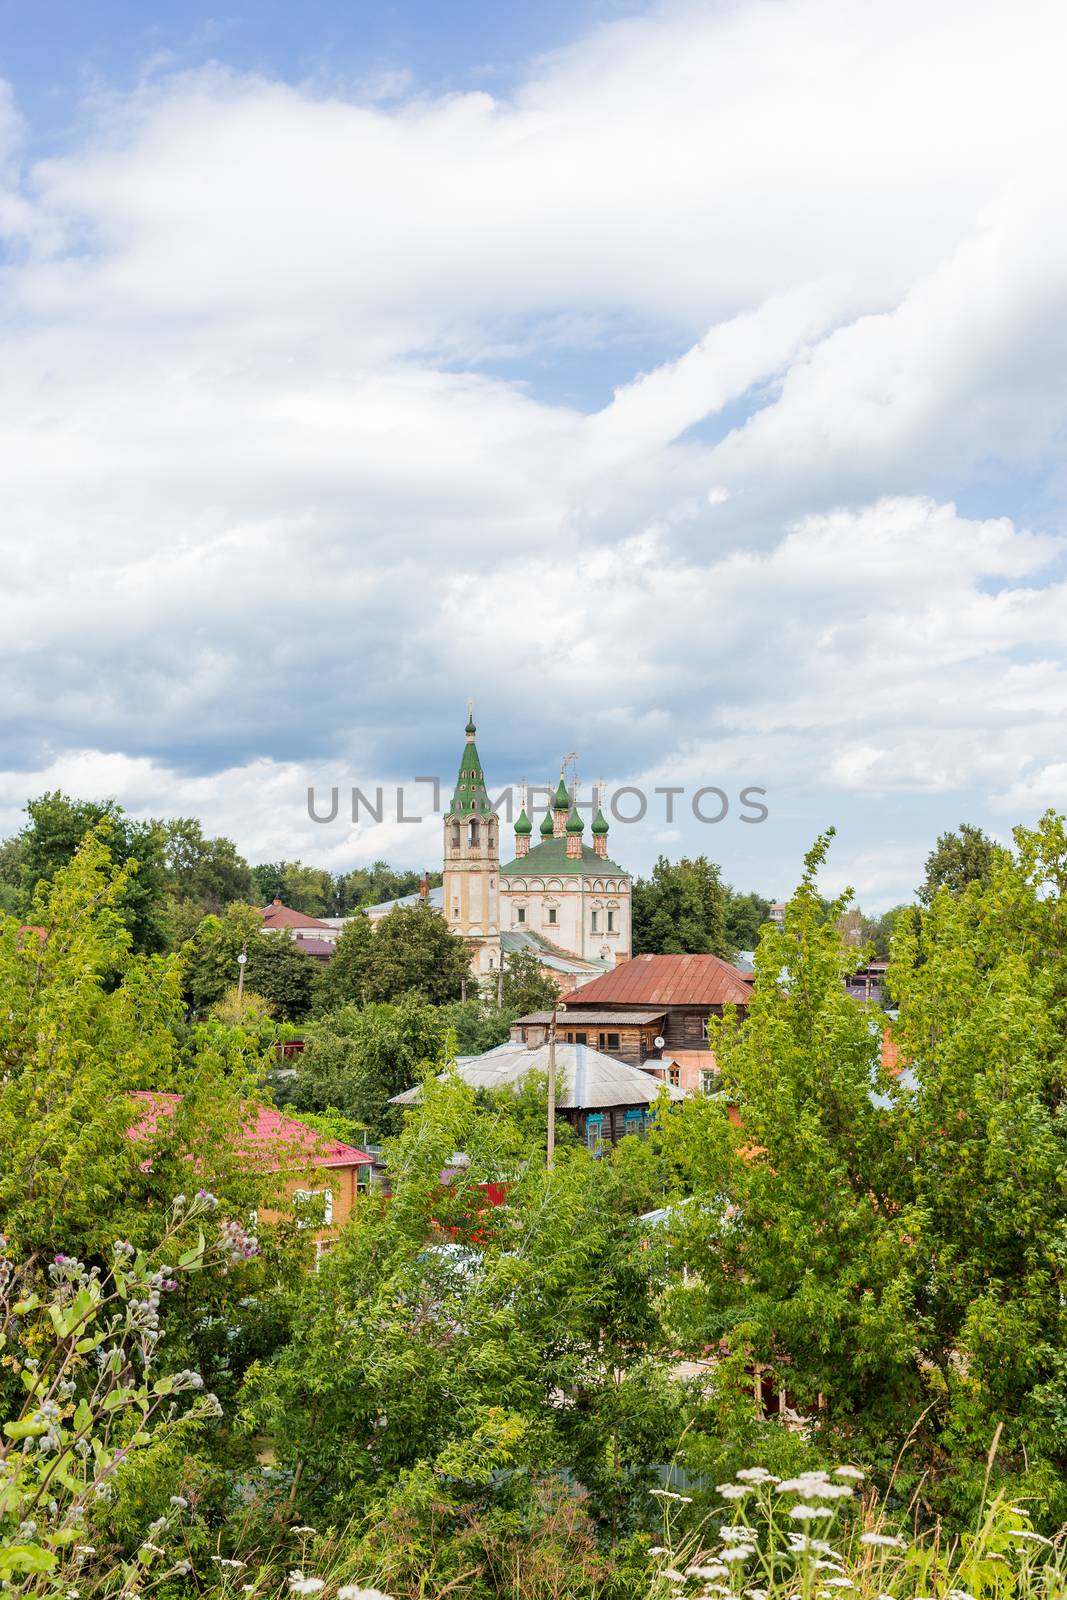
(666,981)
(278,916)
(272,1134)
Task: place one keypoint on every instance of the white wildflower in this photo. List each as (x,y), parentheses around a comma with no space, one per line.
(755,1594)
(355,1591)
(828,1566)
(669,1494)
(959,1594)
(303,1529)
(804,1513)
(849,1472)
(658,1550)
(736,1530)
(179,1502)
(228,1562)
(884,1541)
(714,1569)
(1028,1533)
(837,1583)
(755,1475)
(301,1585)
(733,1491)
(673,1574)
(738,1552)
(808,1483)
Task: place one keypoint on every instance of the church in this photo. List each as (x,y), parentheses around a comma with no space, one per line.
(560,897)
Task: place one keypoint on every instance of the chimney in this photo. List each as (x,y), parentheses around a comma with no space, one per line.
(276,901)
(424,885)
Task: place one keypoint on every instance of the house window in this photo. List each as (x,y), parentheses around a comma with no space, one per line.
(520,915)
(594,1133)
(613,1041)
(634,1123)
(611,922)
(580,1038)
(305,1196)
(709,1081)
(593,921)
(674,1077)
(551,914)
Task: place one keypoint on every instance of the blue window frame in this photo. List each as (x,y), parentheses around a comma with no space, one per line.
(594,1133)
(634,1122)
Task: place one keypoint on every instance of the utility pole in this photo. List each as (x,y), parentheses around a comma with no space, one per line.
(500,983)
(551,1156)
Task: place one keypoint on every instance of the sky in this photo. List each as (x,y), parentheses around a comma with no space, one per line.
(682,382)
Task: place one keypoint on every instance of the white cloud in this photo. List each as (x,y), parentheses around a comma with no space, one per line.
(269,504)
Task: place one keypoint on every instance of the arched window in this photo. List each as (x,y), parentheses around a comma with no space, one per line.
(473,833)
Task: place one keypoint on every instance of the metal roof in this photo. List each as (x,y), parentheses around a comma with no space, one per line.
(593,1019)
(549,954)
(588,1080)
(278,916)
(686,980)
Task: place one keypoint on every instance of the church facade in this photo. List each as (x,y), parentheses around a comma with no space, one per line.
(559,896)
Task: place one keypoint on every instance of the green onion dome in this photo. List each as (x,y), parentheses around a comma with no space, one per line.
(575,823)
(561,800)
(546,825)
(600,823)
(523,824)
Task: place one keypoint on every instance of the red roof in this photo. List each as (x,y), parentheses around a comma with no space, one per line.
(666,981)
(278,916)
(272,1134)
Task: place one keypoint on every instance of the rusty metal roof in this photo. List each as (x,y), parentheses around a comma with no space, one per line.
(666,981)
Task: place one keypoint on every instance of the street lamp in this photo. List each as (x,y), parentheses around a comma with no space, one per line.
(241,960)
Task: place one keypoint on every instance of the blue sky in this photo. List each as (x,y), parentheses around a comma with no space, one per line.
(683,381)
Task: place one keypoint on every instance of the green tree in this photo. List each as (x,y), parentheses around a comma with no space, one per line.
(284,974)
(966,856)
(412,949)
(311,890)
(355,1060)
(56,829)
(211,965)
(891,1240)
(681,908)
(342,981)
(11,889)
(88,1027)
(473,1350)
(370,886)
(527,986)
(207,873)
(745,916)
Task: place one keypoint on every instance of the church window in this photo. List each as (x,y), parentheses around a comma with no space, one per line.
(455,836)
(611,922)
(552,914)
(520,915)
(474,832)
(594,921)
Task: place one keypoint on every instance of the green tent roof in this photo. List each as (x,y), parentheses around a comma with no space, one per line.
(550,859)
(470,797)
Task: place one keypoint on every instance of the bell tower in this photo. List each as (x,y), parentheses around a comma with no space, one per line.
(472,861)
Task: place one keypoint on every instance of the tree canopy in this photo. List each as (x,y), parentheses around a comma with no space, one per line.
(680,908)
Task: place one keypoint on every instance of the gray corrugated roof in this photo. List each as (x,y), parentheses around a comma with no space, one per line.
(549,954)
(594,1019)
(588,1080)
(436,898)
